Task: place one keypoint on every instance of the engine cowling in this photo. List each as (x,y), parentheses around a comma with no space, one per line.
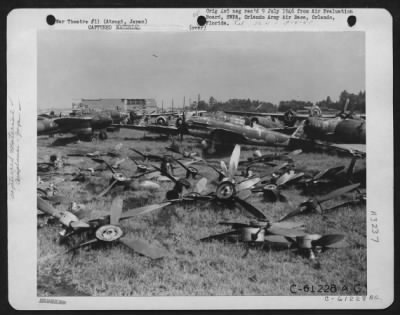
(289,118)
(161,120)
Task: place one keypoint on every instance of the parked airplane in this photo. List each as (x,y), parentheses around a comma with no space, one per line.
(84,125)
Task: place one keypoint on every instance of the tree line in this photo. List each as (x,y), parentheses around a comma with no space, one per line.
(356,103)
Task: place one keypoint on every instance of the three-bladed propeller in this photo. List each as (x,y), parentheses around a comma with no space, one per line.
(256,231)
(111,231)
(120,178)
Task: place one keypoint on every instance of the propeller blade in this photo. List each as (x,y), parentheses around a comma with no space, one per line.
(234,161)
(107,189)
(144,248)
(181,164)
(288,177)
(95,240)
(102,161)
(221,174)
(250,208)
(224,168)
(148,184)
(47,207)
(138,152)
(116,210)
(288,225)
(337,193)
(286,232)
(329,172)
(247,184)
(340,244)
(291,214)
(76,225)
(143,210)
(219,236)
(244,194)
(328,240)
(201,185)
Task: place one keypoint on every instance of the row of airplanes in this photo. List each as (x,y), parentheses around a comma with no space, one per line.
(341,132)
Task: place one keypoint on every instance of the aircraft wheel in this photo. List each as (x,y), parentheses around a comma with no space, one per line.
(179,122)
(103,135)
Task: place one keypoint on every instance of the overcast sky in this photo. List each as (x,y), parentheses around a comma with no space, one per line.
(266,66)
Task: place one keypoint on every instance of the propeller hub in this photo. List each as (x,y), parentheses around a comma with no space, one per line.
(109,233)
(306,240)
(253,234)
(119,177)
(225,190)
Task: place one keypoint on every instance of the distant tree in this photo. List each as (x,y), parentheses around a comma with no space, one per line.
(212,101)
(202,105)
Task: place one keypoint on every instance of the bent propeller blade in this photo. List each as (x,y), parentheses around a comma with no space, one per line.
(107,189)
(338,192)
(250,208)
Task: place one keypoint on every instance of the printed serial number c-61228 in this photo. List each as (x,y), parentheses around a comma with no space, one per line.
(327,288)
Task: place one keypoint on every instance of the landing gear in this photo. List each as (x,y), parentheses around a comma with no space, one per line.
(87,137)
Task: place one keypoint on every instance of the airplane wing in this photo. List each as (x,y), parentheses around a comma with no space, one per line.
(239,113)
(159,129)
(275,115)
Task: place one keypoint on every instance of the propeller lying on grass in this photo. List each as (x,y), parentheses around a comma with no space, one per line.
(314,204)
(120,178)
(107,230)
(308,244)
(255,231)
(229,191)
(337,175)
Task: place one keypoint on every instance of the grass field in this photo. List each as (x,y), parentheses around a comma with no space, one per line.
(192,267)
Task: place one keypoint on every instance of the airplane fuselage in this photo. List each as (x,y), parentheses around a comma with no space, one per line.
(224,132)
(336,130)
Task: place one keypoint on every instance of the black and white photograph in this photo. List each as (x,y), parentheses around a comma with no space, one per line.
(200,163)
